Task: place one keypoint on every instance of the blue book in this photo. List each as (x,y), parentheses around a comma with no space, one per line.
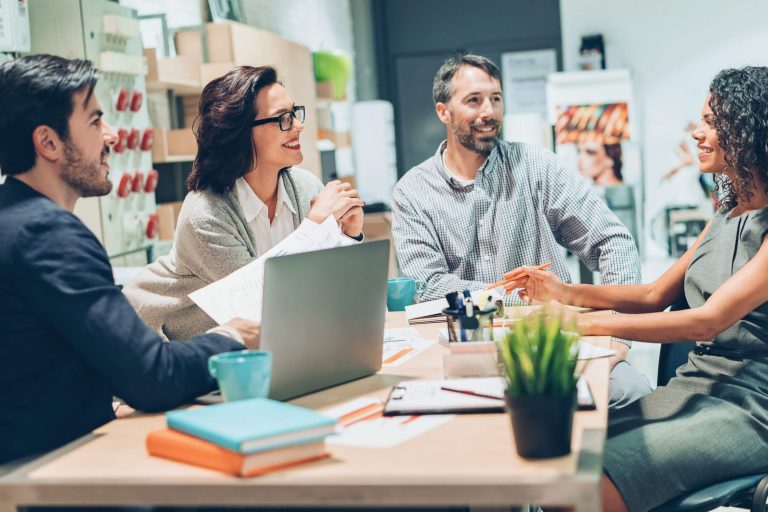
(254,425)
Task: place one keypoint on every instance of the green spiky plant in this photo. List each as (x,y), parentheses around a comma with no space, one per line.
(539,355)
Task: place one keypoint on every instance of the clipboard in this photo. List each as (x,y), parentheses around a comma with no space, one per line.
(460,396)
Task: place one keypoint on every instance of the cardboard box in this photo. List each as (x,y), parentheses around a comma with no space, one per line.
(167,216)
(189,43)
(174,146)
(324,90)
(339,139)
(212,70)
(182,74)
(189,106)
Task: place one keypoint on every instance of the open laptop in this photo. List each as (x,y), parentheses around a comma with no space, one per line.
(323,316)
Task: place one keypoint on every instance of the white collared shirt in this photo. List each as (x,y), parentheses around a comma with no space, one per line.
(256,215)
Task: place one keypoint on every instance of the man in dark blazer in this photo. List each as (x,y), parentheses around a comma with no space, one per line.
(69,340)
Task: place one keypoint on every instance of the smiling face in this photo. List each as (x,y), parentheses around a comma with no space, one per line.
(473,114)
(85,166)
(711,155)
(275,148)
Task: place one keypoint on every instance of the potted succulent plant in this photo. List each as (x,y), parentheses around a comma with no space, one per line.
(538,360)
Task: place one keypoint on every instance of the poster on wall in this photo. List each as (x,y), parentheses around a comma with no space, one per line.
(591,113)
(597,131)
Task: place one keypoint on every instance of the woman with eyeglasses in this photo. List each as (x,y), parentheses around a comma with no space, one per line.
(710,422)
(246,195)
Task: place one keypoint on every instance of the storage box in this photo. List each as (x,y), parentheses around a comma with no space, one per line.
(324,90)
(182,74)
(174,146)
(189,43)
(167,216)
(339,139)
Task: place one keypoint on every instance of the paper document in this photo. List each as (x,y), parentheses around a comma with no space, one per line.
(402,334)
(399,352)
(589,351)
(360,423)
(240,294)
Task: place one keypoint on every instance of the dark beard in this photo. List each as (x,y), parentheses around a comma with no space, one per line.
(480,146)
(84,177)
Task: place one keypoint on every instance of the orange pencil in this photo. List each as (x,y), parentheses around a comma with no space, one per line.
(518,275)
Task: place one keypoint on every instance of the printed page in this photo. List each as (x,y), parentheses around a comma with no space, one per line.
(240,294)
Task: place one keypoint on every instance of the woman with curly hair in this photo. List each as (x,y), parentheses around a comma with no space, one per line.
(246,195)
(710,422)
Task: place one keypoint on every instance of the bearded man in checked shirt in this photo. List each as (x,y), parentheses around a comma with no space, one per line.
(482,206)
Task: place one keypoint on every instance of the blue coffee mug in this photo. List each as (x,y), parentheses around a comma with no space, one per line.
(242,374)
(402,291)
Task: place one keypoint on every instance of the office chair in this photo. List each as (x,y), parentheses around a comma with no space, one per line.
(749,492)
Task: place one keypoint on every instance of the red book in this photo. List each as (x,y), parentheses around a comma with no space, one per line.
(174,445)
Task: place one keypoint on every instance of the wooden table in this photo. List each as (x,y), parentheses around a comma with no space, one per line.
(471,460)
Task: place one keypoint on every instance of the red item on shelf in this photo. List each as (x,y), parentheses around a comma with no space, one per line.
(136,100)
(122,141)
(151,231)
(147,139)
(138,181)
(151,183)
(133,138)
(121,103)
(124,187)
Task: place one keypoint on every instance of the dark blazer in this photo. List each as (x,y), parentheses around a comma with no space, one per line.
(69,340)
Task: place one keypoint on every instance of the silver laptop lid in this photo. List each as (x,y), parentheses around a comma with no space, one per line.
(323,316)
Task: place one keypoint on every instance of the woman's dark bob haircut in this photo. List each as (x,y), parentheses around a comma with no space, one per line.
(222,128)
(739,102)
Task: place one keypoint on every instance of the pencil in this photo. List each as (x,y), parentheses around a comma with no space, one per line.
(473,393)
(518,275)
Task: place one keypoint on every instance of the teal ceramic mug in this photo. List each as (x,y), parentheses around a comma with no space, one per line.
(402,291)
(242,374)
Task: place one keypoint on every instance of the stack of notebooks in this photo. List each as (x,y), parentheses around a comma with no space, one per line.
(244,438)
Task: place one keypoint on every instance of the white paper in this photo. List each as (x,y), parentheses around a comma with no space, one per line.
(375,430)
(402,334)
(399,352)
(589,351)
(240,294)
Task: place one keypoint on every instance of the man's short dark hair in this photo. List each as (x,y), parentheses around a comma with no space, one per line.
(222,128)
(34,91)
(441,89)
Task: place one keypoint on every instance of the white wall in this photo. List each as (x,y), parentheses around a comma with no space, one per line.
(316,24)
(673,49)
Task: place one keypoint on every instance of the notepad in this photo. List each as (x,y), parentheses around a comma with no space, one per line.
(254,425)
(456,396)
(170,444)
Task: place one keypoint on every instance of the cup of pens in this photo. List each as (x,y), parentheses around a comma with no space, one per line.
(468,321)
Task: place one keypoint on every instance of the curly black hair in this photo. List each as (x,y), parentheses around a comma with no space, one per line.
(739,102)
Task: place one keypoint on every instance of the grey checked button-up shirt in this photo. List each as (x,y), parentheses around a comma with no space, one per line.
(521,206)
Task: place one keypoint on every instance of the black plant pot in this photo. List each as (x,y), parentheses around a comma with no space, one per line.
(542,424)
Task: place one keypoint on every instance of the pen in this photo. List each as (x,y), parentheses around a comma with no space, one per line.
(518,275)
(472,393)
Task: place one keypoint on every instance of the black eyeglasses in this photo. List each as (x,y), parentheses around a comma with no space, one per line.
(285,121)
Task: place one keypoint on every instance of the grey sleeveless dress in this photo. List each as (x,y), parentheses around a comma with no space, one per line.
(710,423)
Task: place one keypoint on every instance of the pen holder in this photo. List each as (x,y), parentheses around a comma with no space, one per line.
(478,327)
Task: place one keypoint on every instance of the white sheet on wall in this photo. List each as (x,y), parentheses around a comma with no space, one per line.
(524,75)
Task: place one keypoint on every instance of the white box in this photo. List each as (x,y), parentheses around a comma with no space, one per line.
(14,26)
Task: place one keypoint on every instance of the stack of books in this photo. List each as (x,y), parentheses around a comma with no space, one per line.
(243,438)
